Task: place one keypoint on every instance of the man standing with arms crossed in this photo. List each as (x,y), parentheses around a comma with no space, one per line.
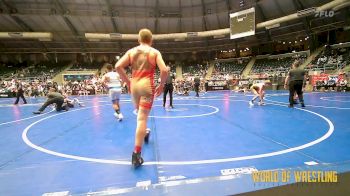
(143,60)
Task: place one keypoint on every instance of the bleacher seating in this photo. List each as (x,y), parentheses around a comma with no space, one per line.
(230,67)
(330,59)
(272,66)
(45,69)
(87,65)
(197,69)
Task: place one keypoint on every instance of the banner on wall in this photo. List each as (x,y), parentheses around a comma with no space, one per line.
(325,77)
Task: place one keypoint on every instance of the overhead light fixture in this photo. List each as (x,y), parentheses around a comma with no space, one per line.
(192,34)
(218,36)
(241,3)
(284,42)
(41,36)
(115,35)
(94,40)
(180,39)
(306,12)
(273,26)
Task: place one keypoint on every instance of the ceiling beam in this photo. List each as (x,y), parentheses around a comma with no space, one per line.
(64,13)
(306,22)
(228,5)
(2,47)
(156,15)
(204,11)
(180,18)
(259,9)
(299,6)
(11,10)
(112,14)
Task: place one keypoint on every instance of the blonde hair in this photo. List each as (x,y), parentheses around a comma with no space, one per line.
(145,36)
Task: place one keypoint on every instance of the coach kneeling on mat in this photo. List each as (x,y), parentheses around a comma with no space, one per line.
(53,97)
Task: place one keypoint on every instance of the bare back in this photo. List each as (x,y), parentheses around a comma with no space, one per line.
(142,60)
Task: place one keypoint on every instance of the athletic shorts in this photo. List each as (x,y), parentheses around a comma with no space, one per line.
(254,88)
(114,94)
(142,92)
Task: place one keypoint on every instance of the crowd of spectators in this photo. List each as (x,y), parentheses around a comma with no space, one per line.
(80,66)
(36,87)
(195,70)
(232,68)
(330,59)
(37,78)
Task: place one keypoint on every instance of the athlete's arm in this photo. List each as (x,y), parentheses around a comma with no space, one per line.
(162,67)
(120,68)
(286,81)
(261,89)
(305,78)
(104,79)
(163,73)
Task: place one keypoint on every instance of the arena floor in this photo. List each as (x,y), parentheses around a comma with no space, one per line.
(199,147)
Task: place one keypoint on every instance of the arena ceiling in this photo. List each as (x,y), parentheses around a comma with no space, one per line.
(69,20)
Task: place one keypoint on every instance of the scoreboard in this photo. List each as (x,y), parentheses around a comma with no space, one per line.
(242,23)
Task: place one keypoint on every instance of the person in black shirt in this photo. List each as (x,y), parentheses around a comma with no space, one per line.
(197,82)
(20,91)
(206,85)
(296,78)
(168,87)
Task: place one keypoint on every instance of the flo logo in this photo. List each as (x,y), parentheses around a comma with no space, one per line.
(324,13)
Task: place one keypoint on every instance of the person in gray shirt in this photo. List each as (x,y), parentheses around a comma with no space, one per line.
(53,98)
(296,77)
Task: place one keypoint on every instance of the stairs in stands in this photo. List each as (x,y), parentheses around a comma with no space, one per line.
(248,68)
(210,70)
(59,77)
(179,72)
(346,69)
(104,68)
